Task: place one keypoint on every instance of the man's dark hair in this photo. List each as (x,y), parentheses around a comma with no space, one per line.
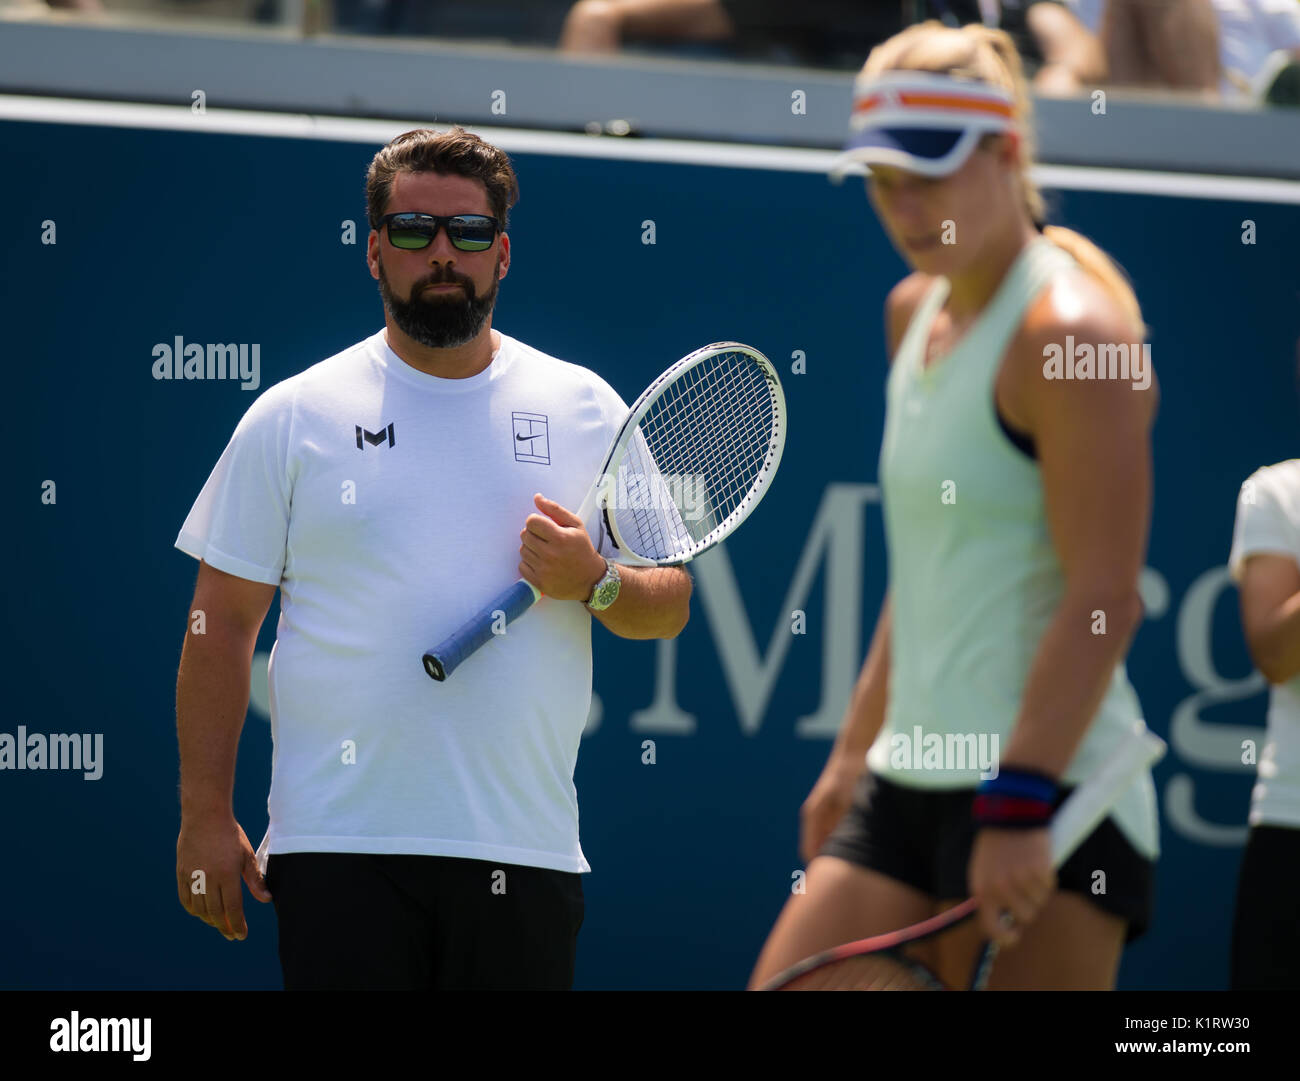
(453,153)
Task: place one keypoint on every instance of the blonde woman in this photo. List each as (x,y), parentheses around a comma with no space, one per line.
(1016,491)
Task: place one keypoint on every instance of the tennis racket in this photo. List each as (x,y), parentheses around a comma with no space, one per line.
(695,455)
(882,963)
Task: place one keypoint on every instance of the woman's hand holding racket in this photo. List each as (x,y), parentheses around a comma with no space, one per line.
(1010,871)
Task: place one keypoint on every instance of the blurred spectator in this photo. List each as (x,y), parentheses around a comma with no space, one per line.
(1258,45)
(809,30)
(1172,44)
(517,21)
(1260,49)
(1060,54)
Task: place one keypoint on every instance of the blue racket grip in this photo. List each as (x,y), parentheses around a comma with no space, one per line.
(446,657)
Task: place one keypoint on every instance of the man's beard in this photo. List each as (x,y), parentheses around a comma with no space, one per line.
(440,320)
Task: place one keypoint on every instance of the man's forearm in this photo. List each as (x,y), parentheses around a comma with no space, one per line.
(653,602)
(211,701)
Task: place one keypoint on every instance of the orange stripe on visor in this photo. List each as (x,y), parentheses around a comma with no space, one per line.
(922,122)
(935,101)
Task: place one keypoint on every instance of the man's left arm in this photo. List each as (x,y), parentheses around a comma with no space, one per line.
(557,556)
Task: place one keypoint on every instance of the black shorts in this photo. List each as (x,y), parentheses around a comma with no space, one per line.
(1266,927)
(923,838)
(354,921)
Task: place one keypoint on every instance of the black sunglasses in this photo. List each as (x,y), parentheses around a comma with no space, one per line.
(467,232)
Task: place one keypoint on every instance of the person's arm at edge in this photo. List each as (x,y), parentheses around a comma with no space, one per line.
(1270,614)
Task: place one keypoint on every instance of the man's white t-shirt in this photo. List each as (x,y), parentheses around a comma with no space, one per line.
(387,506)
(1268,521)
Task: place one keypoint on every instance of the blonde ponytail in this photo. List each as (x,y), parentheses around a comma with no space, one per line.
(987,55)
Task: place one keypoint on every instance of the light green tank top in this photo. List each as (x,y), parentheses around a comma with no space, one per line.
(973,577)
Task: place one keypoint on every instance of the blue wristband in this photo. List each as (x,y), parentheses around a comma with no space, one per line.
(1022,784)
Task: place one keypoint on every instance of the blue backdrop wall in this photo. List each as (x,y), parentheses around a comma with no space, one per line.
(225,238)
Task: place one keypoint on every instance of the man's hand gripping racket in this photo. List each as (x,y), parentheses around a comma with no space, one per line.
(695,455)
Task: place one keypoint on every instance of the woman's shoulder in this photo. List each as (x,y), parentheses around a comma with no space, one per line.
(1075,302)
(1075,315)
(1073,309)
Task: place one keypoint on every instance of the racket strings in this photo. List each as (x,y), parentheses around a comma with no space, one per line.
(707,439)
(743,431)
(660,430)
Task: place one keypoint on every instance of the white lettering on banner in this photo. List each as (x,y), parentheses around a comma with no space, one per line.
(838,530)
(1181,814)
(664,716)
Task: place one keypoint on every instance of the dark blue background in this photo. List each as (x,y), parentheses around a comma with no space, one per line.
(236,239)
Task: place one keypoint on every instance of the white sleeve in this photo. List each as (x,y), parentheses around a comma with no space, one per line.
(1278,22)
(1263,523)
(240,521)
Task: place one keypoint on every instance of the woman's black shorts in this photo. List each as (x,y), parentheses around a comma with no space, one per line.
(923,837)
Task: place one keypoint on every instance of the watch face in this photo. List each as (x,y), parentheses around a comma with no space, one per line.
(606,594)
(606,591)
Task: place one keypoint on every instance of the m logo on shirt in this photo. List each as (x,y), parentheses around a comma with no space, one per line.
(375,438)
(532,443)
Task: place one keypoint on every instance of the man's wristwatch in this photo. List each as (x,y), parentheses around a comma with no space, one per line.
(606,591)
